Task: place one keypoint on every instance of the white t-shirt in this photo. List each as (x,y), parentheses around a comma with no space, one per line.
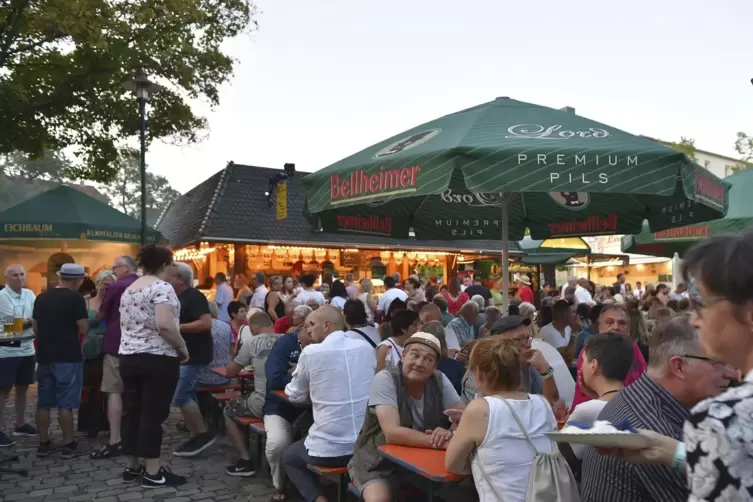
(451,339)
(505,455)
(586,413)
(553,337)
(304,297)
(389,296)
(338,301)
(582,295)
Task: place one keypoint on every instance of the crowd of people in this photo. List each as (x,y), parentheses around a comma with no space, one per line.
(338,372)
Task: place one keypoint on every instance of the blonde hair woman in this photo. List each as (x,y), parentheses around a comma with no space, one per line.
(365,295)
(103,279)
(274,304)
(528,310)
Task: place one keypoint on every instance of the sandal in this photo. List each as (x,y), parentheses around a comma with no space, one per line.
(107,451)
(279,497)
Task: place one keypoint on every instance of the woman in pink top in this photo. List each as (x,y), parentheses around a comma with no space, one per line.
(613,319)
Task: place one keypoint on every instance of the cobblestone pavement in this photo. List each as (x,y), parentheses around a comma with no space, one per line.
(83,479)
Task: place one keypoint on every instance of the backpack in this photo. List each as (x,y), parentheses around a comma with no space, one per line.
(551,479)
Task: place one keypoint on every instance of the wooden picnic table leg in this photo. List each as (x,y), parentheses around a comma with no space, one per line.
(342,488)
(430,494)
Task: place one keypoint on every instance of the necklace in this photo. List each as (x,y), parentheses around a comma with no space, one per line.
(609,392)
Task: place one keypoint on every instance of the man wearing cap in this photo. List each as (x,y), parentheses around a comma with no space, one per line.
(60,321)
(406,407)
(537,373)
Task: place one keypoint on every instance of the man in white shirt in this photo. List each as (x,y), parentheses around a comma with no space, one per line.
(639,290)
(223,296)
(334,374)
(307,295)
(260,291)
(582,295)
(467,282)
(558,333)
(572,282)
(621,280)
(391,293)
(16,363)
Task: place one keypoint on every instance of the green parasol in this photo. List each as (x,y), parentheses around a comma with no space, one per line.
(678,240)
(504,166)
(67,213)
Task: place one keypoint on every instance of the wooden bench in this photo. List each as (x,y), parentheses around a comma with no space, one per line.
(221,388)
(226,396)
(255,425)
(337,474)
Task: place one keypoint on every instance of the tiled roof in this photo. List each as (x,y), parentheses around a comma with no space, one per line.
(231,207)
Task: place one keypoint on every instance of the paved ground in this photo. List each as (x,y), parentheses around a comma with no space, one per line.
(52,478)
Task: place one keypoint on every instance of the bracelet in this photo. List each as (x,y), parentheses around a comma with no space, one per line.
(549,373)
(678,462)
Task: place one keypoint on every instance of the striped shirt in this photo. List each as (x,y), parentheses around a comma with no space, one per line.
(645,405)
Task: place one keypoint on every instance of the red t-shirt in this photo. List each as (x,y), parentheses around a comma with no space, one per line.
(453,306)
(525,294)
(636,370)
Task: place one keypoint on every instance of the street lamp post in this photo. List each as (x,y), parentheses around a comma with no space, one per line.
(142,88)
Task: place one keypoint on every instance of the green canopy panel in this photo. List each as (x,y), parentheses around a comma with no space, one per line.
(678,240)
(547,258)
(67,213)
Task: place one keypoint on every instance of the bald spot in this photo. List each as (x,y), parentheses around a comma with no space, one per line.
(13,269)
(331,314)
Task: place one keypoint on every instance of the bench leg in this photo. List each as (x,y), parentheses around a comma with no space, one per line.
(342,488)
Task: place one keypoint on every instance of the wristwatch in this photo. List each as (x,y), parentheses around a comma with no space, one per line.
(549,373)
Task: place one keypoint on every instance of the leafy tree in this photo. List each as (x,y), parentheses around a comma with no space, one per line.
(744,147)
(125,190)
(50,166)
(62,63)
(686,146)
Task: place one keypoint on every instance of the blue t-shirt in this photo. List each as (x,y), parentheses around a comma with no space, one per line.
(285,352)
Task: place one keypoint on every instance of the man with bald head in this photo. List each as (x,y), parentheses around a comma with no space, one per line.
(16,363)
(334,373)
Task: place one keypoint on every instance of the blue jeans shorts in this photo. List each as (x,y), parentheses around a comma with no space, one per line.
(59,385)
(185,392)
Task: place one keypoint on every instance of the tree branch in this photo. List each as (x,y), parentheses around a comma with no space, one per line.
(15,25)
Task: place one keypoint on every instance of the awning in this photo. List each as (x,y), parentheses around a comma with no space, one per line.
(547,258)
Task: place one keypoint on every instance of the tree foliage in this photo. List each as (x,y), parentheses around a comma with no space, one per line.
(125,189)
(686,146)
(49,166)
(63,62)
(744,147)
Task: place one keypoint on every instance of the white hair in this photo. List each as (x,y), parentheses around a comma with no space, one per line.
(527,310)
(102,275)
(214,311)
(302,311)
(185,272)
(479,300)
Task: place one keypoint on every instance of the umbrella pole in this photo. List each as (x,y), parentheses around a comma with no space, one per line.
(505,254)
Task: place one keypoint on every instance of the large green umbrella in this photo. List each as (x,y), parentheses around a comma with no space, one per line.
(678,240)
(504,166)
(67,213)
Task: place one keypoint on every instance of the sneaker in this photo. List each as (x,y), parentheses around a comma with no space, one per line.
(196,445)
(162,479)
(131,475)
(48,448)
(75,449)
(27,430)
(243,468)
(5,441)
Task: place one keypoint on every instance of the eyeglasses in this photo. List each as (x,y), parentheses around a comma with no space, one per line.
(718,365)
(698,302)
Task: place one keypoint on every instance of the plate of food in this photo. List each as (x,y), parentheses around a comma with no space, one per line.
(602,434)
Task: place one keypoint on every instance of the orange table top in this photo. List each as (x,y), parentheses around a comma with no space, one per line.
(427,462)
(242,374)
(281,393)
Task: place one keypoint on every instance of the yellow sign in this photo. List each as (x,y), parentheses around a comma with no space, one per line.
(282,201)
(27,227)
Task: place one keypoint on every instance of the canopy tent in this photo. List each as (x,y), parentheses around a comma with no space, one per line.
(678,240)
(555,251)
(67,213)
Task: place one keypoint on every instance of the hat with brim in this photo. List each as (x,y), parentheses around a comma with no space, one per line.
(426,339)
(524,279)
(72,271)
(508,323)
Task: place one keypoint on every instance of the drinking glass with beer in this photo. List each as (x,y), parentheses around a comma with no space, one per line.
(8,325)
(18,319)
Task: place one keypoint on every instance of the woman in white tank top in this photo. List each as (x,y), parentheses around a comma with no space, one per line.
(489,443)
(390,352)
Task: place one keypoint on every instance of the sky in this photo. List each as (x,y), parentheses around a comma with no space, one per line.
(322,80)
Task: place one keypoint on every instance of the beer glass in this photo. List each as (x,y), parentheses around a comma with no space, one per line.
(18,319)
(8,325)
